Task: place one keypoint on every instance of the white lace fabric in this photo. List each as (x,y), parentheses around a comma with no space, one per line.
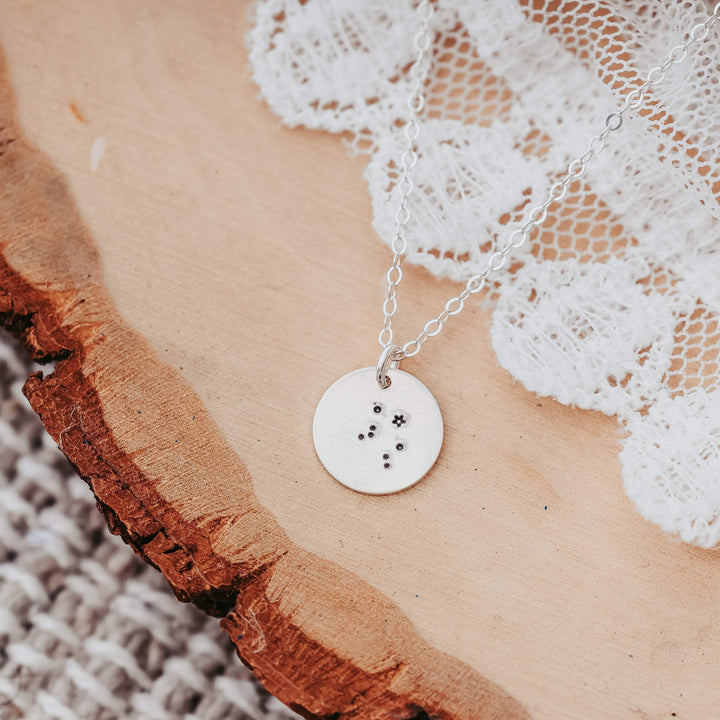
(613,304)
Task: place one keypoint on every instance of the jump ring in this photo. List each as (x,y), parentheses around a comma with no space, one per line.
(388,359)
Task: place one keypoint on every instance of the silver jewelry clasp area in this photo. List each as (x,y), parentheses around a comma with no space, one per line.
(386,362)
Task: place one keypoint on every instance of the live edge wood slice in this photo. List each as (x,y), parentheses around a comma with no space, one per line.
(198,275)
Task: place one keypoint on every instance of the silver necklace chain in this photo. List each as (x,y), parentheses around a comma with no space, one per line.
(392,354)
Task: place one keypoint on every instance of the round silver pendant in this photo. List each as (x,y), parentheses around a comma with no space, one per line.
(375,440)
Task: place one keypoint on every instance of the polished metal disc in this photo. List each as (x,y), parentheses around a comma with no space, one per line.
(376,440)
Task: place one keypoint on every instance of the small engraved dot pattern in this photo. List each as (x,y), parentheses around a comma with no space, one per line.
(399,419)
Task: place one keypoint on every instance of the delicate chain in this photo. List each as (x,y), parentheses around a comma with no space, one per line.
(536,217)
(418,73)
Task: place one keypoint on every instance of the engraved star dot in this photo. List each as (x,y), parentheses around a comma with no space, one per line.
(399,420)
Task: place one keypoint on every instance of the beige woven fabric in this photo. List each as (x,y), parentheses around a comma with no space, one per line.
(87,630)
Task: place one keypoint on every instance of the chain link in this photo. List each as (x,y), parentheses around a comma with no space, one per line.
(416,101)
(536,217)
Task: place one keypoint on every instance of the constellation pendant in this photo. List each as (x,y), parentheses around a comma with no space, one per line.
(376,440)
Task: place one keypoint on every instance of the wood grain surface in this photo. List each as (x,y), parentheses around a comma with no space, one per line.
(200,274)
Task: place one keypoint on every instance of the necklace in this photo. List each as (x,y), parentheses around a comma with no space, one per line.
(379,430)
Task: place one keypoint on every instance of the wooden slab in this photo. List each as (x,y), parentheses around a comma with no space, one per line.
(200,274)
